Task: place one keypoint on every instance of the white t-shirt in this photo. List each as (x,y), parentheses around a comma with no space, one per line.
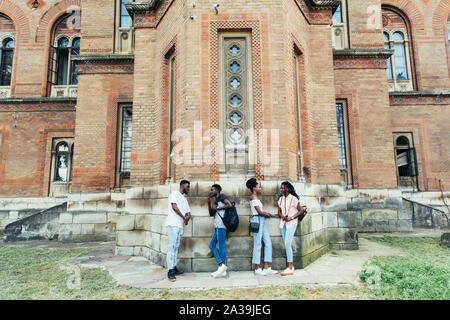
(255,203)
(173,219)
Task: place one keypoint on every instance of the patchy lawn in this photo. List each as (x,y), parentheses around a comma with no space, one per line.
(37,274)
(423,274)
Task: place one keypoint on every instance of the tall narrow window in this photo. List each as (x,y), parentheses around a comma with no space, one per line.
(125,145)
(125,20)
(62,76)
(7,55)
(74,64)
(172,88)
(62,163)
(339,28)
(389,62)
(337,16)
(61,169)
(298,113)
(343,143)
(234,105)
(7,38)
(62,58)
(399,70)
(406,160)
(124,28)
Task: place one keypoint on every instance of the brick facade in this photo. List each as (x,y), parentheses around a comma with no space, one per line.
(278,30)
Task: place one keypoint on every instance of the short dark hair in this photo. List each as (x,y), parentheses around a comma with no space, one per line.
(184,182)
(217,187)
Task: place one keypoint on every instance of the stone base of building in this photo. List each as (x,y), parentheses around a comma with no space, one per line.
(336,215)
(135,219)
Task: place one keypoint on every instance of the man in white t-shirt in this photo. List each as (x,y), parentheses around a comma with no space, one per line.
(178,215)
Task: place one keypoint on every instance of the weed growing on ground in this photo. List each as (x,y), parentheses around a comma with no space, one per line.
(423,274)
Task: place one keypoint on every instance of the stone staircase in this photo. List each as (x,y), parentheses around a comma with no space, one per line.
(43,225)
(425,216)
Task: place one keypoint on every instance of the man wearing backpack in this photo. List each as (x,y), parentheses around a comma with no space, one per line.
(217,205)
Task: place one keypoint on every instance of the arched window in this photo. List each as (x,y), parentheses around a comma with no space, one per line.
(61,166)
(406,160)
(7,55)
(62,61)
(401,72)
(62,162)
(63,72)
(389,63)
(74,65)
(396,37)
(7,42)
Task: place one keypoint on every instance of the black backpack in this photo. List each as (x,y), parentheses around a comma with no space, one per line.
(230,218)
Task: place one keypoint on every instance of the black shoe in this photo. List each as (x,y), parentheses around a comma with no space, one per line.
(177,272)
(171,275)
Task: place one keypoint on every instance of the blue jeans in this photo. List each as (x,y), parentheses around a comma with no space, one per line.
(173,242)
(262,235)
(219,237)
(288,235)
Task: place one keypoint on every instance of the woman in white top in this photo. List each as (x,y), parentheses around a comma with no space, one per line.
(289,210)
(259,215)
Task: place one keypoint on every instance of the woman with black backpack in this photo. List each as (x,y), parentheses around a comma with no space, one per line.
(260,230)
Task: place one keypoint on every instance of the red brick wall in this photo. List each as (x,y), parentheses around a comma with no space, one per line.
(428,120)
(275,27)
(25,145)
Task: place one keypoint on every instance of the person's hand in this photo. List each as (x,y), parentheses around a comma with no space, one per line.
(211,194)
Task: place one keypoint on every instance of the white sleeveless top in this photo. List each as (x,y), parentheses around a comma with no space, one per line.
(255,203)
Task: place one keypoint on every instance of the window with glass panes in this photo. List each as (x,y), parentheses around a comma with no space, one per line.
(340,114)
(6,62)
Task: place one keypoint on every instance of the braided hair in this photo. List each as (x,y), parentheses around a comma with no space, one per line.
(251,184)
(291,189)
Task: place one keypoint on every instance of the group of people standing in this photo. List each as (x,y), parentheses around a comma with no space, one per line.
(289,211)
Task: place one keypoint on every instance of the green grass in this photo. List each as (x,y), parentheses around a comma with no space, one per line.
(28,273)
(422,274)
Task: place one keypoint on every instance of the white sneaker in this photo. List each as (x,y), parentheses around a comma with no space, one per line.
(221,272)
(213,274)
(270,272)
(288,272)
(259,272)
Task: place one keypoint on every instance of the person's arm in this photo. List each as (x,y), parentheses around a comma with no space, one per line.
(300,211)
(227,205)
(262,213)
(211,206)
(214,208)
(280,213)
(178,212)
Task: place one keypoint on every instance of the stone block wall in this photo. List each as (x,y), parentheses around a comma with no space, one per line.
(13,209)
(335,218)
(91,217)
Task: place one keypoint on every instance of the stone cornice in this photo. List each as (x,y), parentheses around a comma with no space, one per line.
(324,4)
(414,94)
(102,58)
(362,53)
(141,7)
(38,104)
(35,100)
(411,98)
